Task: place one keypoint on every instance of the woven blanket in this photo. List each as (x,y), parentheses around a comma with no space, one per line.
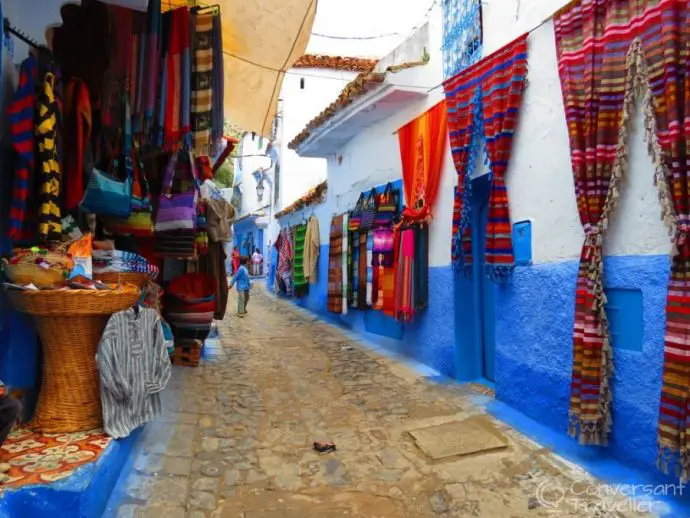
(370,268)
(335,266)
(20,114)
(300,281)
(177,77)
(344,255)
(382,262)
(489,94)
(361,237)
(218,86)
(202,93)
(634,49)
(404,280)
(49,218)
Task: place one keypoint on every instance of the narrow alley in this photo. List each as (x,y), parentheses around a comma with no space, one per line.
(236,438)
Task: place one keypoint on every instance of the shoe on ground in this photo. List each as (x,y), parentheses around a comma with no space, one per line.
(4,468)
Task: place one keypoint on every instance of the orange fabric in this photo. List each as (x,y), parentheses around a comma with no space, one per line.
(77,110)
(422,150)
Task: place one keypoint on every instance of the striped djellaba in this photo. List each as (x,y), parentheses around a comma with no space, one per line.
(483,103)
(611,53)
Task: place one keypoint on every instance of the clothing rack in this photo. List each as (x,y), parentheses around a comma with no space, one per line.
(10,29)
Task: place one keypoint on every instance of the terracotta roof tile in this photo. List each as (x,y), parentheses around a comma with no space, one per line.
(359,86)
(314,196)
(335,63)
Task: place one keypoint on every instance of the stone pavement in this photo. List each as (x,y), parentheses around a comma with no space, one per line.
(236,439)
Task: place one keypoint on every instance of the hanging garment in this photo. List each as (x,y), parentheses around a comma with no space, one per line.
(21,119)
(404,278)
(178,79)
(117,76)
(49,218)
(284,269)
(300,281)
(152,61)
(422,150)
(383,261)
(219,216)
(370,268)
(77,108)
(335,266)
(213,264)
(421,267)
(134,368)
(202,87)
(218,86)
(362,273)
(345,251)
(312,247)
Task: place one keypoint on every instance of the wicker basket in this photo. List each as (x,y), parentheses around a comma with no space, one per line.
(138,279)
(70,324)
(30,273)
(187,353)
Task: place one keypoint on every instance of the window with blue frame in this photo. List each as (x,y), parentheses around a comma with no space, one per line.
(462,35)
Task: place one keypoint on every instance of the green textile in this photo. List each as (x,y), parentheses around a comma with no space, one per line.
(298,263)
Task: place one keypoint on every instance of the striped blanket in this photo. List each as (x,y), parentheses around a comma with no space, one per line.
(484,100)
(335,266)
(610,53)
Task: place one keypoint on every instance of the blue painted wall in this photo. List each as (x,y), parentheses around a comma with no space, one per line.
(534,323)
(430,339)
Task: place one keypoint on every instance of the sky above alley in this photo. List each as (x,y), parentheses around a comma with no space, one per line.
(364,18)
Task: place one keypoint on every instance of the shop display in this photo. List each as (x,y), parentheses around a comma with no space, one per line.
(107,130)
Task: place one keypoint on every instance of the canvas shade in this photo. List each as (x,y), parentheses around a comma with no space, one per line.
(261,41)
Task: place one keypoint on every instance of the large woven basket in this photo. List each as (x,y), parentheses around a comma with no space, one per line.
(138,279)
(70,324)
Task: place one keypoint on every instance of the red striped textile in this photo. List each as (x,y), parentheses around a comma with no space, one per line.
(611,52)
(483,103)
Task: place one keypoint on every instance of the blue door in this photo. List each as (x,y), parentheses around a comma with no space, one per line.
(483,289)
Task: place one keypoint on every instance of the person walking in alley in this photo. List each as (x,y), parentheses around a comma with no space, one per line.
(241,278)
(10,409)
(257,262)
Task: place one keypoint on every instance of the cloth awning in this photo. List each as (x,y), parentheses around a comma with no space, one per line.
(261,41)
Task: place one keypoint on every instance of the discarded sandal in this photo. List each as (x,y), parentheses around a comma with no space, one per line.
(324,447)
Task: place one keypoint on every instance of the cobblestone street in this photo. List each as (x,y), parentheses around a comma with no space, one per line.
(236,438)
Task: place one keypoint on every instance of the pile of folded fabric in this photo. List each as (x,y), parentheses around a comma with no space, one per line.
(189,306)
(119,261)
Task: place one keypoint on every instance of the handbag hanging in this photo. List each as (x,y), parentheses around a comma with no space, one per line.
(356,215)
(140,221)
(387,207)
(177,211)
(369,211)
(106,194)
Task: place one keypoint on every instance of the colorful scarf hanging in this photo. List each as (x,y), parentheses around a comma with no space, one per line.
(422,150)
(404,284)
(49,218)
(487,93)
(361,238)
(335,266)
(202,93)
(383,262)
(284,268)
(20,114)
(301,284)
(178,80)
(77,109)
(635,49)
(118,75)
(370,268)
(152,61)
(218,87)
(345,248)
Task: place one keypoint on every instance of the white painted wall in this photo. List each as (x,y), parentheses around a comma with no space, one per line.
(539,179)
(245,165)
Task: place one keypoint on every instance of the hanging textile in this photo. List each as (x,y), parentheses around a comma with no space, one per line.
(301,284)
(202,92)
(21,120)
(345,248)
(404,283)
(487,95)
(370,268)
(118,75)
(284,268)
(218,87)
(361,238)
(77,108)
(49,217)
(354,223)
(335,266)
(383,262)
(178,79)
(637,49)
(213,265)
(312,247)
(422,150)
(152,61)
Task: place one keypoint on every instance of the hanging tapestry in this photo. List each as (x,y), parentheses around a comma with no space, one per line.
(635,49)
(343,263)
(422,150)
(462,35)
(202,93)
(335,266)
(383,265)
(301,284)
(483,101)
